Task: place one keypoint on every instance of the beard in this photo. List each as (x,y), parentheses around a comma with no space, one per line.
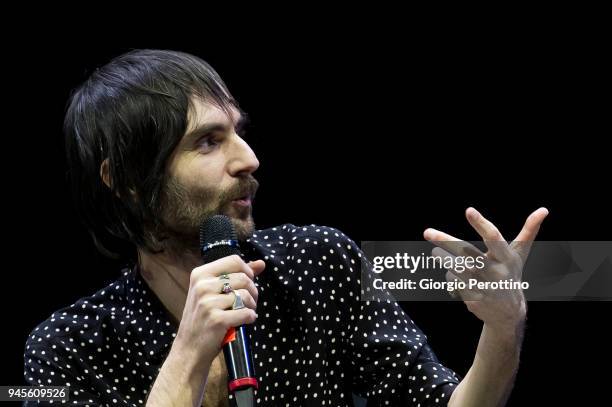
(183,209)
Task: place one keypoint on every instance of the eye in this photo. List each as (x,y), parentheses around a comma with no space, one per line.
(207,144)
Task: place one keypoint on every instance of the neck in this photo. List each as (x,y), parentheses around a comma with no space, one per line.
(167,275)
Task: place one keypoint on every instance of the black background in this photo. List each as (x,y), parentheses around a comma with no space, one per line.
(380,133)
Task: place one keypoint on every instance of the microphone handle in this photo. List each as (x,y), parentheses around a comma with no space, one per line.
(238,359)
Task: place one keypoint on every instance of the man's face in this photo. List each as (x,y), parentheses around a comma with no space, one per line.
(209,173)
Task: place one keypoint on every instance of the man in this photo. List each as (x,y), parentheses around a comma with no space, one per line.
(154,147)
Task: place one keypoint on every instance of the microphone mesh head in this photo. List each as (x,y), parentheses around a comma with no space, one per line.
(216,229)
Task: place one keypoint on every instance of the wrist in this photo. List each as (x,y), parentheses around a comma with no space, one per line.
(509,334)
(181,379)
(509,327)
(192,363)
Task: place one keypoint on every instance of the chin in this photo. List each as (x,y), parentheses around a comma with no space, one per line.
(244,227)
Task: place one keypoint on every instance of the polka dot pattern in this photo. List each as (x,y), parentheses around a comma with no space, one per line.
(314,343)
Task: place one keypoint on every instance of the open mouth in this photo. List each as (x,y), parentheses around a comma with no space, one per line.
(243,201)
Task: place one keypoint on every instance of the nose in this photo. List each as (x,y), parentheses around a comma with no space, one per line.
(243,160)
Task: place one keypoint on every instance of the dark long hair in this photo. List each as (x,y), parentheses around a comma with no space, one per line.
(132,112)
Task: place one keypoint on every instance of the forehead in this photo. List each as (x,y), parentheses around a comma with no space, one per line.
(202,112)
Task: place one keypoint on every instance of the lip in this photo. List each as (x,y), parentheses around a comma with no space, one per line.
(243,201)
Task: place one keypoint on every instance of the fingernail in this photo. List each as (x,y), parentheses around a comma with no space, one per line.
(474,213)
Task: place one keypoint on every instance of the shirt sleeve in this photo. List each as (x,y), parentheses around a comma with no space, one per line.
(48,364)
(388,355)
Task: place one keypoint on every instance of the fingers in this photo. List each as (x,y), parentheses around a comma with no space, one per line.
(246,296)
(465,294)
(522,242)
(451,244)
(458,268)
(206,280)
(237,281)
(452,278)
(226,301)
(532,225)
(233,318)
(257,266)
(214,285)
(483,226)
(491,236)
(227,265)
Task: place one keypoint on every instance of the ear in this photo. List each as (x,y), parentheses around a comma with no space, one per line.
(104,173)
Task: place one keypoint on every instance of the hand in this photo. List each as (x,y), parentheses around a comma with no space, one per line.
(501,310)
(207,314)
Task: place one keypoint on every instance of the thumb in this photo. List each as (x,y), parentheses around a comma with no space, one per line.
(257,266)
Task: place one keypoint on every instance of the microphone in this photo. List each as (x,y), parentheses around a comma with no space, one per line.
(218,240)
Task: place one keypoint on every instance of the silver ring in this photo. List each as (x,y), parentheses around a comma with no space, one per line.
(226,288)
(238,304)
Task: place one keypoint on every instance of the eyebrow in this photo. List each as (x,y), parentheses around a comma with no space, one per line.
(207,128)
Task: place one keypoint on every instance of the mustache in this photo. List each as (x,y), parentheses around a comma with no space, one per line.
(246,187)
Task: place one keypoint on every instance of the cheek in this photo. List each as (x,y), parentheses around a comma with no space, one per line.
(203,178)
(201,172)
(205,191)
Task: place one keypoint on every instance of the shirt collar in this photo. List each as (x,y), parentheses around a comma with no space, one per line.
(148,322)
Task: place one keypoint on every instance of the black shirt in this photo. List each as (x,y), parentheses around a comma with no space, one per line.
(314,342)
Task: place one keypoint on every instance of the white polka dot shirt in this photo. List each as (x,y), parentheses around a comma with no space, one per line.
(314,343)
